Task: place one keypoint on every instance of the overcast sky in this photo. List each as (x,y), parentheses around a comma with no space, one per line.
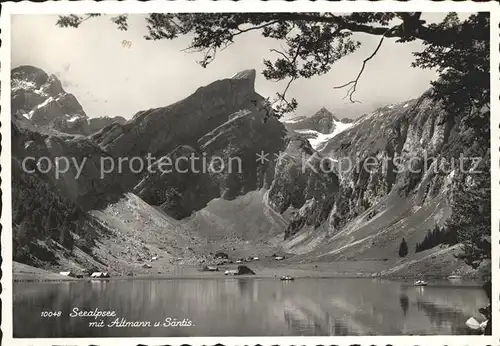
(109,79)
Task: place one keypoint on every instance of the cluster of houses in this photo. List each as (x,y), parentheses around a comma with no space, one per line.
(153,258)
(239,271)
(212,268)
(101,275)
(248,259)
(224,258)
(149,266)
(221,257)
(70,274)
(255,258)
(231,272)
(242,270)
(94,275)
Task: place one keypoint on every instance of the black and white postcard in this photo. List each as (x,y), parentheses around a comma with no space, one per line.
(270,173)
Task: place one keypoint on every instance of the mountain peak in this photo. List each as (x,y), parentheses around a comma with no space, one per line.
(248,75)
(33,76)
(41,99)
(245,74)
(324,113)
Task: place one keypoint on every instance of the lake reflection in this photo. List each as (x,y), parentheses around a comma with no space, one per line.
(247,307)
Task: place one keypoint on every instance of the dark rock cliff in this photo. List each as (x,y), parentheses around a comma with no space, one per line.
(399,169)
(221,132)
(305,184)
(39,99)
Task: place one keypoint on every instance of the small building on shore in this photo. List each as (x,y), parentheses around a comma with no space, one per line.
(221,255)
(70,274)
(100,275)
(210,268)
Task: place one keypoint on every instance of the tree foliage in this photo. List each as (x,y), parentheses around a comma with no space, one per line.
(40,214)
(435,237)
(471,215)
(312,42)
(403,248)
(463,63)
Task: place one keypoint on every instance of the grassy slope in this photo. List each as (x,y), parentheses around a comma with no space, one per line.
(245,227)
(137,231)
(374,243)
(244,224)
(23,272)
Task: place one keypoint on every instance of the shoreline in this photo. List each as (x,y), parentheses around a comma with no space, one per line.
(27,274)
(210,276)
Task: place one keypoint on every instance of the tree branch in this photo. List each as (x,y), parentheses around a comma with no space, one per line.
(315,41)
(280,53)
(411,26)
(257,27)
(283,95)
(354,83)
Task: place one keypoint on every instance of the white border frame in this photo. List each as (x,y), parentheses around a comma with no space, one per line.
(114,7)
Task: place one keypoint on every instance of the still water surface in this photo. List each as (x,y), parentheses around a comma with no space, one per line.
(246,307)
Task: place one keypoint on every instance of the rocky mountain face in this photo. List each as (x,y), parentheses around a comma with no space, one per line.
(304,185)
(96,124)
(410,148)
(79,178)
(399,168)
(329,189)
(160,130)
(214,134)
(40,99)
(220,128)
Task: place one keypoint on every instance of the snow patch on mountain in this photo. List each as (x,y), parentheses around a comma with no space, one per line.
(319,140)
(245,74)
(45,103)
(294,120)
(72,118)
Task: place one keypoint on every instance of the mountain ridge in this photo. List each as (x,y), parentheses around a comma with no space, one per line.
(40,99)
(330,215)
